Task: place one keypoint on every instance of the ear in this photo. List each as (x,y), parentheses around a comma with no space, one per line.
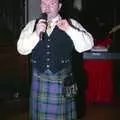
(60,5)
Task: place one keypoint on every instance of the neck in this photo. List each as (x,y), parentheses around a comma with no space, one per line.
(52,17)
(56,18)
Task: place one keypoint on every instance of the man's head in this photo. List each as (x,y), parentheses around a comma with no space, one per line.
(51,7)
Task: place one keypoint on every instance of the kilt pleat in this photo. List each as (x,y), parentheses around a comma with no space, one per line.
(47,101)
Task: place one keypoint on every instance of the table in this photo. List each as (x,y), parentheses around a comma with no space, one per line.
(99,70)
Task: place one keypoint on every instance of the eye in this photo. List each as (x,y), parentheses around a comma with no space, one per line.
(53,3)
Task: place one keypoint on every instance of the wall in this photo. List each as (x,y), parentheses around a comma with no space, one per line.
(33,9)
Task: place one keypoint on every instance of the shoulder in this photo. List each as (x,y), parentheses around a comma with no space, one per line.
(31,23)
(76,23)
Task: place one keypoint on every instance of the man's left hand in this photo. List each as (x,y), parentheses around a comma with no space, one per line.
(63,24)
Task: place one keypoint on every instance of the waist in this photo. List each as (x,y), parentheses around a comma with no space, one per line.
(50,76)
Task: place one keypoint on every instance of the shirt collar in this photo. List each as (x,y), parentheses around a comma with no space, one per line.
(57,18)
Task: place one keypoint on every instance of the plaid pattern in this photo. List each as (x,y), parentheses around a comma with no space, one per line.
(47,100)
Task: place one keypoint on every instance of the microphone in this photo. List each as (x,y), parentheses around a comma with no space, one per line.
(43,16)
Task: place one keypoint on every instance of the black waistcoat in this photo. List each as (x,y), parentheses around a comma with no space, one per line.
(53,52)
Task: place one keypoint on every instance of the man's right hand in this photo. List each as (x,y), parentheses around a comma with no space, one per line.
(41,26)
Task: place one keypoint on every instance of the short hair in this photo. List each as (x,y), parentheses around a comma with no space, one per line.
(61,1)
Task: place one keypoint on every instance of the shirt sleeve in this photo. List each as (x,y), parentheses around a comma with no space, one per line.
(28,39)
(82,39)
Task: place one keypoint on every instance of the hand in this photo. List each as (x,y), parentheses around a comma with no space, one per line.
(63,25)
(41,26)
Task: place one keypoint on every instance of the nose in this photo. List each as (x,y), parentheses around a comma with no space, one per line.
(47,9)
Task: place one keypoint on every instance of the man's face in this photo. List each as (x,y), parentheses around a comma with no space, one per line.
(51,7)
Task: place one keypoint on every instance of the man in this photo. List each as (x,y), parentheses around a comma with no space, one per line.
(51,61)
(68,11)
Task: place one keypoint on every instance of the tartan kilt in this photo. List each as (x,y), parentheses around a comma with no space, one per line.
(47,101)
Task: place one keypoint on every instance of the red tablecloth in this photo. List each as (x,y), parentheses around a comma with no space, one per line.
(100,81)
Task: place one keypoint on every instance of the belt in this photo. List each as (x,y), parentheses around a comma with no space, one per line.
(55,77)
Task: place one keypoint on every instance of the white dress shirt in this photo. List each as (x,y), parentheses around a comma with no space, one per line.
(28,39)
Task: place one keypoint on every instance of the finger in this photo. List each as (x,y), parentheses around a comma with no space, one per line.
(61,23)
(42,21)
(42,24)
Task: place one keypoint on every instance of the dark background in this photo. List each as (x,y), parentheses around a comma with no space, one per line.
(97,16)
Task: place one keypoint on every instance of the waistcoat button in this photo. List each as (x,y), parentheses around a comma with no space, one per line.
(47,66)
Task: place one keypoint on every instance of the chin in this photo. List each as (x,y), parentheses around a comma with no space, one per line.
(51,17)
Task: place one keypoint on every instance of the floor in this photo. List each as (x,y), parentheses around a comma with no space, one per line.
(102,113)
(93,112)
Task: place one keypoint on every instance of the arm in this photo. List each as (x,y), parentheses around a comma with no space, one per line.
(82,39)
(28,39)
